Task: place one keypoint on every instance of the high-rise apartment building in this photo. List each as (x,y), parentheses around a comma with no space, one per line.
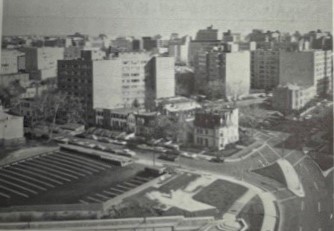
(231,37)
(307,68)
(223,70)
(208,34)
(41,63)
(133,77)
(97,83)
(160,79)
(264,69)
(179,49)
(205,40)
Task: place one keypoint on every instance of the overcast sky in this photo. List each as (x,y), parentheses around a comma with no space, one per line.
(151,17)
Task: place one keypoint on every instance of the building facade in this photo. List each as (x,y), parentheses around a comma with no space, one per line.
(11,129)
(133,77)
(97,83)
(145,124)
(224,71)
(121,119)
(177,106)
(160,79)
(12,61)
(216,129)
(290,98)
(307,68)
(264,69)
(41,63)
(179,49)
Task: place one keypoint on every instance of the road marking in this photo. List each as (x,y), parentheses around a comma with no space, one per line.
(288,154)
(288,198)
(306,168)
(319,207)
(316,186)
(331,216)
(320,229)
(302,206)
(274,151)
(263,157)
(260,161)
(300,160)
(300,228)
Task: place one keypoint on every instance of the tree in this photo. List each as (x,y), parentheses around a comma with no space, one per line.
(250,116)
(54,106)
(166,127)
(135,103)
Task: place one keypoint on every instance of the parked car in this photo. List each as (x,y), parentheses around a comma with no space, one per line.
(169,157)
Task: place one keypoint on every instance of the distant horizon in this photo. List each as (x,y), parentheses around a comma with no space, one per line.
(164,36)
(139,18)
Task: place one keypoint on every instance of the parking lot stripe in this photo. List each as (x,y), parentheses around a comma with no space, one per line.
(18,186)
(44,172)
(70,165)
(80,163)
(123,187)
(110,193)
(72,162)
(4,195)
(117,190)
(14,191)
(83,202)
(130,184)
(28,177)
(87,159)
(37,174)
(102,196)
(53,170)
(52,165)
(93,199)
(137,181)
(141,178)
(22,181)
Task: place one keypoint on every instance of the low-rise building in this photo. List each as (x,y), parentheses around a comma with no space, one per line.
(7,79)
(216,129)
(145,124)
(120,119)
(289,98)
(11,129)
(177,106)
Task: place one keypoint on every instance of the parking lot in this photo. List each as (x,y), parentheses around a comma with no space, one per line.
(61,177)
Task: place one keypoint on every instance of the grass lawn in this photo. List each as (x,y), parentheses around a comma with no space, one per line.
(273,171)
(253,214)
(220,194)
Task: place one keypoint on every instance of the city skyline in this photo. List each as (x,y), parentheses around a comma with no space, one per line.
(139,18)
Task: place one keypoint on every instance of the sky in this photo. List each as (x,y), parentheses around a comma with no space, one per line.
(151,17)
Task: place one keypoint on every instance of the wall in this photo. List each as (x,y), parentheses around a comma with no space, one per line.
(11,128)
(237,74)
(107,84)
(165,77)
(297,67)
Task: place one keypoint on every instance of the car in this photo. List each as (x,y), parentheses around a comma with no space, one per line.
(308,117)
(160,149)
(101,147)
(217,160)
(169,157)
